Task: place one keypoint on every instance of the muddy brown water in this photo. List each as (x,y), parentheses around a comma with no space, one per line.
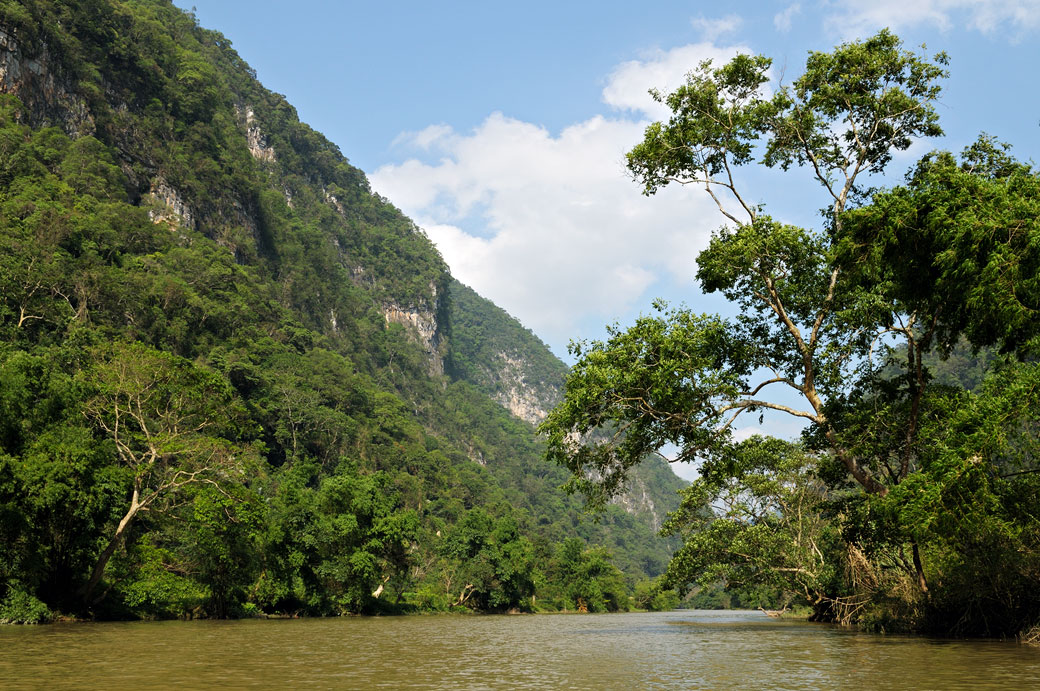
(668,650)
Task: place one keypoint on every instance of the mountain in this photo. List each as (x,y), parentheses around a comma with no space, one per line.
(506,361)
(234,380)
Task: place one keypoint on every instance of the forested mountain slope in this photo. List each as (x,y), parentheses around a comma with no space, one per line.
(233,379)
(499,356)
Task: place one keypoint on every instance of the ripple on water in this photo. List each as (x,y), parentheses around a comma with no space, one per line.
(669,650)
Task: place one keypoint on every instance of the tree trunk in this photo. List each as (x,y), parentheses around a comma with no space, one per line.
(464,595)
(99,569)
(921,582)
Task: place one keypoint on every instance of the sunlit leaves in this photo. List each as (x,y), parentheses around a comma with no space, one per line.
(960,241)
(754,518)
(659,382)
(854,106)
(843,116)
(717,116)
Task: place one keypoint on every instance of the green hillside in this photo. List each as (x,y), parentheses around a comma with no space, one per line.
(234,380)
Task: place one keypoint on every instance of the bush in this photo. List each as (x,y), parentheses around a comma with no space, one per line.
(22,608)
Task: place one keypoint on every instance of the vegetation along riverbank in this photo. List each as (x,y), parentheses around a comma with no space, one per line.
(237,382)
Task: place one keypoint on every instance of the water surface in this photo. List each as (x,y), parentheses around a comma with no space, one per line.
(669,650)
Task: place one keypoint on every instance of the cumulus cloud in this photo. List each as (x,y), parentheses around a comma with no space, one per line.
(424,139)
(630,82)
(1013,18)
(549,225)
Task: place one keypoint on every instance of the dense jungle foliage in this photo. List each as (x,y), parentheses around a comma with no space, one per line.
(210,402)
(903,333)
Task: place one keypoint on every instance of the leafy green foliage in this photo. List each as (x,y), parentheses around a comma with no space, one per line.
(496,562)
(584,580)
(906,505)
(21,608)
(842,117)
(206,407)
(675,362)
(484,338)
(653,596)
(766,525)
(958,241)
(856,105)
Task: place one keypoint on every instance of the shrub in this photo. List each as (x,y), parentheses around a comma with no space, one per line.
(20,607)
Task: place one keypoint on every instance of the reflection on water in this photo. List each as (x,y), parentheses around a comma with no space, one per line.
(671,650)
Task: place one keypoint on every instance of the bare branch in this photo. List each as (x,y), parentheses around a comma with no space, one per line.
(753,403)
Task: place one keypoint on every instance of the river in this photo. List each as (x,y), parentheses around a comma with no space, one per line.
(668,650)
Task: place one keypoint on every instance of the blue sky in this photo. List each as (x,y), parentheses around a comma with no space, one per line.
(501,128)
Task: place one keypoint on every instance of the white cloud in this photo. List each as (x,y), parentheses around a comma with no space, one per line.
(991,17)
(783,20)
(711,29)
(426,138)
(549,227)
(630,81)
(854,18)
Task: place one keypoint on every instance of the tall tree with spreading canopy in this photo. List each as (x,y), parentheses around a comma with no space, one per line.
(800,322)
(817,308)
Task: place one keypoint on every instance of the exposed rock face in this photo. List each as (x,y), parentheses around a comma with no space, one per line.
(172,207)
(420,319)
(531,401)
(637,500)
(49,99)
(336,203)
(516,395)
(422,322)
(257,140)
(476,456)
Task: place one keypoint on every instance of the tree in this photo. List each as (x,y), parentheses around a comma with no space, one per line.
(655,596)
(360,538)
(280,285)
(56,477)
(801,322)
(495,569)
(956,242)
(815,306)
(898,475)
(172,424)
(767,526)
(585,579)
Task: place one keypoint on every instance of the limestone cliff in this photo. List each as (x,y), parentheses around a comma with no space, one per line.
(379,249)
(43,88)
(421,322)
(169,207)
(256,140)
(527,401)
